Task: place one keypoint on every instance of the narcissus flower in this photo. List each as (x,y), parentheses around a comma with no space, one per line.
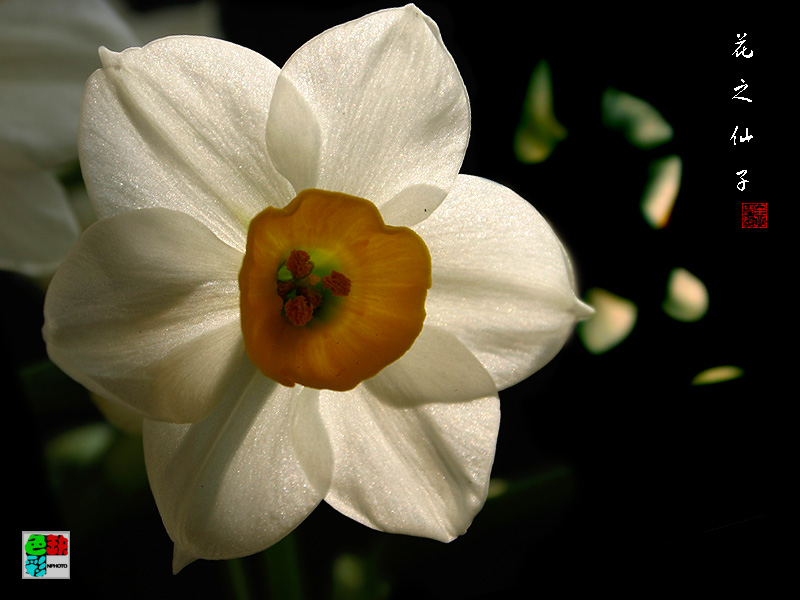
(293,284)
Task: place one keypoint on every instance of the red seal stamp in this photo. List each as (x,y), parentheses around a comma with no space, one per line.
(754,215)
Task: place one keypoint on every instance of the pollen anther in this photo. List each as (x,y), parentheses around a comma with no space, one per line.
(298,311)
(299,264)
(338,284)
(303,294)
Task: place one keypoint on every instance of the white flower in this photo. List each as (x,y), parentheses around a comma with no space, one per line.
(48,48)
(145,310)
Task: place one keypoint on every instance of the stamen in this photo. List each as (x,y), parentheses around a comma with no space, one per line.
(284,287)
(338,284)
(299,311)
(299,263)
(306,291)
(312,295)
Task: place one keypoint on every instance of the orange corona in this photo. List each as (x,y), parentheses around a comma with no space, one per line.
(330,294)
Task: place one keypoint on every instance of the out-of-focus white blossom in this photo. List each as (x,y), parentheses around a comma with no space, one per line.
(48,49)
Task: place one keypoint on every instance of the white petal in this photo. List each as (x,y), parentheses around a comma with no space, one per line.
(145,310)
(437,368)
(47,50)
(501,280)
(373,108)
(38,226)
(180,124)
(119,415)
(413,447)
(240,480)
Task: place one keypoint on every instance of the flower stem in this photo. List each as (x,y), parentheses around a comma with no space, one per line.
(283,570)
(238,579)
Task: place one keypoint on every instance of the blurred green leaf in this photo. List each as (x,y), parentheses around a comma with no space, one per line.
(283,570)
(536,496)
(49,390)
(538,131)
(79,447)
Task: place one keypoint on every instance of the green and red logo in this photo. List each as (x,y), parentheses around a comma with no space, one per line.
(46,555)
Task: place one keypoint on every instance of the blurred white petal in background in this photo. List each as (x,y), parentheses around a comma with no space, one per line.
(611,323)
(48,49)
(687,296)
(717,375)
(661,191)
(642,125)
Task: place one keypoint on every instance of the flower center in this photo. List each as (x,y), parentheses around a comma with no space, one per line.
(330,295)
(303,290)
